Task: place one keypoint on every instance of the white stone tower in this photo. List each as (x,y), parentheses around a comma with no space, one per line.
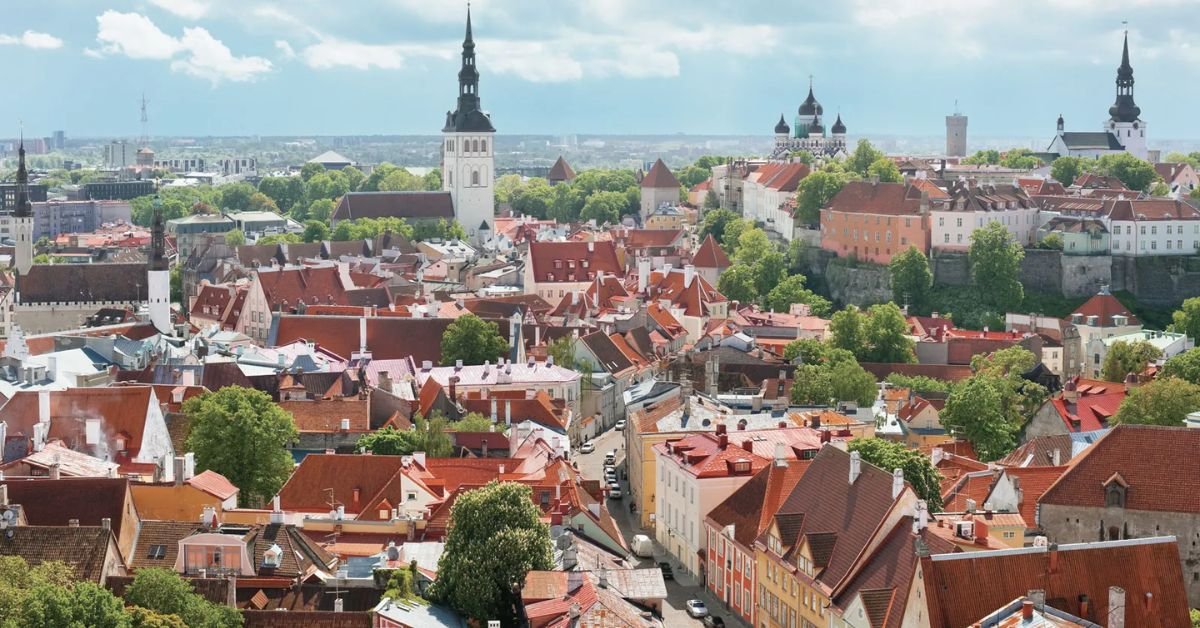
(956,134)
(158,275)
(468,163)
(23,217)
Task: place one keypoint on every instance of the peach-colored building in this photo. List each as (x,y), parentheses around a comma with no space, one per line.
(874,221)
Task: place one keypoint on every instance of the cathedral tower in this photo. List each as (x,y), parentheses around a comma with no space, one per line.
(468,163)
(23,217)
(158,274)
(1124,122)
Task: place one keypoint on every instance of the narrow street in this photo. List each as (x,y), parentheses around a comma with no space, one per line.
(682,589)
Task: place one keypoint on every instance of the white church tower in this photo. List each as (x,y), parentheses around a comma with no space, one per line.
(1124,121)
(468,163)
(158,275)
(23,217)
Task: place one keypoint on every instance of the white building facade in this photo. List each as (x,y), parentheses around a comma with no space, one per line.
(468,163)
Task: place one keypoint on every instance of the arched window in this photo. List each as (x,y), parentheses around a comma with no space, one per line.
(1114,495)
(475,146)
(483,146)
(474,177)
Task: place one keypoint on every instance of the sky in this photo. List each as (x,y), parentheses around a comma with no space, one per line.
(320,67)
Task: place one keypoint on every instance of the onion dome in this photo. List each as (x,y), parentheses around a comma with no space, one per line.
(782,128)
(815,128)
(838,127)
(810,106)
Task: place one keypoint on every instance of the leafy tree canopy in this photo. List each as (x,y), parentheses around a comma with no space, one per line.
(472,340)
(1164,401)
(912,280)
(1124,358)
(917,467)
(995,260)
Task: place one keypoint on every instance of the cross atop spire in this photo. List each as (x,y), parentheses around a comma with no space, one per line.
(23,207)
(468,40)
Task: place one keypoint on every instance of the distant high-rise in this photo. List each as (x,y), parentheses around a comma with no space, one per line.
(468,163)
(956,134)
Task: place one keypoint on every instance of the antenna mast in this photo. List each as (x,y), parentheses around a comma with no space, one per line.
(145,139)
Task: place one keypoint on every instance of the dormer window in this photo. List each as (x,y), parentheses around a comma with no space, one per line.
(272,556)
(1115,491)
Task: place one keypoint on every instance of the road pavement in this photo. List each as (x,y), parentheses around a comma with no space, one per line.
(678,591)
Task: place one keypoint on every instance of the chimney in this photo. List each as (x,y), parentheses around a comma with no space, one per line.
(855,466)
(897,482)
(643,273)
(748,445)
(937,455)
(339,605)
(921,520)
(72,523)
(1052,550)
(689,273)
(208,516)
(43,406)
(419,458)
(493,410)
(720,428)
(362,335)
(454,384)
(179,468)
(970,505)
(106,523)
(55,471)
(385,381)
(1057,457)
(1084,605)
(1116,607)
(780,455)
(1027,610)
(722,440)
(508,412)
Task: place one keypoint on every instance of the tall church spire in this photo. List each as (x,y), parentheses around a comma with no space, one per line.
(24,209)
(469,116)
(158,246)
(1124,109)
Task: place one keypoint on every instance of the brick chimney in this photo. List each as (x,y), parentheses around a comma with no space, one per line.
(722,440)
(748,445)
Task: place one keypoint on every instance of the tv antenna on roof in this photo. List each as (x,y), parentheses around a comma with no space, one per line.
(145,139)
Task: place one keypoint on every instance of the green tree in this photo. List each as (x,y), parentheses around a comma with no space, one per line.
(353,177)
(473,422)
(505,186)
(814,192)
(321,210)
(315,231)
(770,270)
(714,223)
(534,198)
(808,350)
(472,340)
(177,284)
(737,284)
(691,175)
(983,158)
(1160,189)
(1066,169)
(328,185)
(912,280)
(733,234)
(852,382)
(752,245)
(279,238)
(1136,174)
(1020,159)
(886,170)
(566,203)
(287,192)
(917,467)
(474,578)
(163,591)
(429,436)
(1128,357)
(863,156)
(432,181)
(887,335)
(236,196)
(848,330)
(1164,401)
(1186,320)
(235,238)
(563,352)
(443,229)
(1053,241)
(260,202)
(995,260)
(402,584)
(243,435)
(310,170)
(976,410)
(603,207)
(711,201)
(1185,366)
(792,290)
(145,618)
(812,385)
(920,384)
(78,605)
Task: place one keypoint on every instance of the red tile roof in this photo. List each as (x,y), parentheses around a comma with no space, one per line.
(1158,464)
(864,197)
(1033,482)
(325,285)
(962,588)
(751,508)
(782,176)
(560,261)
(123,412)
(388,338)
(974,486)
(660,177)
(55,502)
(710,255)
(1105,306)
(214,484)
(325,416)
(1153,209)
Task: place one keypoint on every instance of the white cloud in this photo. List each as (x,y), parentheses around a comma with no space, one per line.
(532,61)
(32,39)
(334,53)
(190,9)
(197,53)
(285,49)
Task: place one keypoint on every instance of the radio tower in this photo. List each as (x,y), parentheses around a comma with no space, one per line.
(144,141)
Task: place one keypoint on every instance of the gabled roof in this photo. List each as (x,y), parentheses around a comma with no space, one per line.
(561,171)
(1158,463)
(56,502)
(781,176)
(1106,306)
(213,483)
(825,501)
(710,255)
(84,549)
(865,197)
(123,411)
(1033,482)
(158,543)
(1103,140)
(76,283)
(560,261)
(407,205)
(961,588)
(751,508)
(1153,209)
(660,177)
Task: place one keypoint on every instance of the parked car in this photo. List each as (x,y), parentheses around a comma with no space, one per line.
(620,425)
(610,458)
(712,621)
(642,546)
(587,447)
(667,573)
(696,609)
(614,492)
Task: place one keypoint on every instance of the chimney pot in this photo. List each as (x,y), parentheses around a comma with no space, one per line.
(748,445)
(1027,610)
(73,523)
(105,523)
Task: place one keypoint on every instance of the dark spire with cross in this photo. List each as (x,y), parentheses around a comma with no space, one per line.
(24,208)
(158,241)
(469,117)
(1124,109)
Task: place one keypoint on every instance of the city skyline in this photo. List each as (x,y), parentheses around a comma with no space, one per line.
(214,67)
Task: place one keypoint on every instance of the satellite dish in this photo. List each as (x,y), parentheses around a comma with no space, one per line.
(8,516)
